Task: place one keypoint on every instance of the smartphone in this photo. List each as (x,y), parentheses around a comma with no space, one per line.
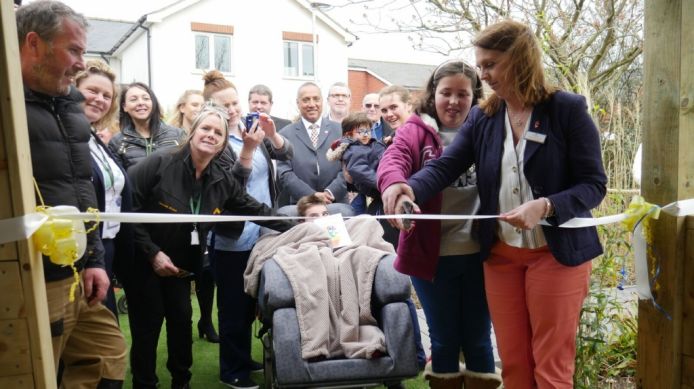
(407,208)
(251,118)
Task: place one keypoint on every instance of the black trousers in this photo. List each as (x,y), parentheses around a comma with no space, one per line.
(151,299)
(110,301)
(204,291)
(236,312)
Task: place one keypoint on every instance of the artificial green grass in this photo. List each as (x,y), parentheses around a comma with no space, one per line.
(206,356)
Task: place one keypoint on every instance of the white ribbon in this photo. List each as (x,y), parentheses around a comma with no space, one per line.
(18,228)
(638,244)
(640,247)
(23,227)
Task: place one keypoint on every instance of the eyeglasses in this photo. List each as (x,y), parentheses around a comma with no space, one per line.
(370,105)
(339,96)
(364,132)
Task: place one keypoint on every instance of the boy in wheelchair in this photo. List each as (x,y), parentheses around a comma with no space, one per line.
(322,303)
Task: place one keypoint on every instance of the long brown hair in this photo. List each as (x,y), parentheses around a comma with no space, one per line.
(522,61)
(427,103)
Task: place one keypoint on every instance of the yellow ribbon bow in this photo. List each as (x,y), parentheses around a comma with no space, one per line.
(63,241)
(638,221)
(639,211)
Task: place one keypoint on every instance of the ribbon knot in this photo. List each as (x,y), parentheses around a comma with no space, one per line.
(63,241)
(639,211)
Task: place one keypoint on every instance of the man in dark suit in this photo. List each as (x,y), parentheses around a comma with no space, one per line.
(260,100)
(310,172)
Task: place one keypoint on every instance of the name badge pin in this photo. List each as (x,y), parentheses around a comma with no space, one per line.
(535,137)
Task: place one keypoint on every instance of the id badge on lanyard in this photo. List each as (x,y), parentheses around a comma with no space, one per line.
(195,209)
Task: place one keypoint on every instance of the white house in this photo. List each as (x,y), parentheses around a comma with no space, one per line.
(252,42)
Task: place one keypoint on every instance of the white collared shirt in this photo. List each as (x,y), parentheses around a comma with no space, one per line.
(114,182)
(515,191)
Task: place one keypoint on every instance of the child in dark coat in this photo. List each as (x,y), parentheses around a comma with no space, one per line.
(360,155)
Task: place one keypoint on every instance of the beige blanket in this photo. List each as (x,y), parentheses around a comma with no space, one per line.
(332,289)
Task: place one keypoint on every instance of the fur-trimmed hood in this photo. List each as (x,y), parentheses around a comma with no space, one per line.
(337,148)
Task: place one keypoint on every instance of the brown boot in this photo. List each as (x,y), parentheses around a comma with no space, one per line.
(443,380)
(474,380)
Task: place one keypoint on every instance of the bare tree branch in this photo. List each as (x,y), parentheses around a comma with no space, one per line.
(594,41)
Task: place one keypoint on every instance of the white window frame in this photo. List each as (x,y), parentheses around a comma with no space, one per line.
(300,59)
(213,51)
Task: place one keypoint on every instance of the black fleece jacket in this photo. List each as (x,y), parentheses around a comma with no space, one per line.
(62,166)
(165,183)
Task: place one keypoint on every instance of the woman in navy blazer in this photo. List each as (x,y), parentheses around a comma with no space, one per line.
(97,83)
(537,154)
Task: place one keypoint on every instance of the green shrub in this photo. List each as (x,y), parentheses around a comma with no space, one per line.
(606,341)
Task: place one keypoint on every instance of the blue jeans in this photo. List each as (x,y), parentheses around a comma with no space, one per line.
(359,204)
(456,310)
(421,354)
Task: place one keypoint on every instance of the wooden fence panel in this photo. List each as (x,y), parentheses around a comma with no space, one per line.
(26,353)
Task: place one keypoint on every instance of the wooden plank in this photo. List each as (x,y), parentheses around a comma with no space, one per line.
(661,101)
(658,342)
(686,125)
(11,304)
(15,355)
(8,250)
(668,119)
(19,197)
(668,174)
(17,382)
(688,296)
(688,371)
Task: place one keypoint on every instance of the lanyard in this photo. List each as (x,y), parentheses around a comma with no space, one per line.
(110,181)
(195,209)
(195,205)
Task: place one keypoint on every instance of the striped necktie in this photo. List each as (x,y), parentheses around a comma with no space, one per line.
(314,134)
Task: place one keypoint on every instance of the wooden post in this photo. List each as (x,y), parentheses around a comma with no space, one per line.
(668,175)
(26,353)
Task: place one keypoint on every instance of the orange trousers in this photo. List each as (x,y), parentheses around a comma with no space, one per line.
(535,303)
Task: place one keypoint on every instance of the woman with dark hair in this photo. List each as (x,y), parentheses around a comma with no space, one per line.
(442,257)
(189,179)
(537,154)
(142,131)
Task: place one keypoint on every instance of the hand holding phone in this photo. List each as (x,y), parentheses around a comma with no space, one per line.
(251,119)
